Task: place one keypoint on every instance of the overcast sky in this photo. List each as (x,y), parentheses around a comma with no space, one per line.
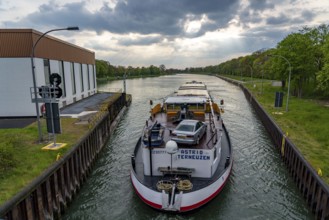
(176,33)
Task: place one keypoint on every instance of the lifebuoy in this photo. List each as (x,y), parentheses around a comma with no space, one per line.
(43,109)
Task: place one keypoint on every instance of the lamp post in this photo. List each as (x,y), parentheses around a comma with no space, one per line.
(34,78)
(272,55)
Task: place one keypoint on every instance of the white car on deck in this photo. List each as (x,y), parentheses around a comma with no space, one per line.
(189,132)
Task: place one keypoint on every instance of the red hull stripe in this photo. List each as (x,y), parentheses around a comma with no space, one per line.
(152,204)
(186,208)
(201,203)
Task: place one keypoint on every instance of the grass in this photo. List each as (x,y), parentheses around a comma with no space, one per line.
(306,122)
(22,157)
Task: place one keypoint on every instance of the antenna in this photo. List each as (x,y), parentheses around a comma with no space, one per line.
(171,148)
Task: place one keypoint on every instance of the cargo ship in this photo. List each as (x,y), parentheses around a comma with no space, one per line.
(183,158)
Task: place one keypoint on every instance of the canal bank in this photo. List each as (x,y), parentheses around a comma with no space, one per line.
(313,189)
(47,196)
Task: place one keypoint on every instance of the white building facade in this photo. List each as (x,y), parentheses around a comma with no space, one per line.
(75,65)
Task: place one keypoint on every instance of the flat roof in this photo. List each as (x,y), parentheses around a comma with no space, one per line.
(193,92)
(19,43)
(185,99)
(193,85)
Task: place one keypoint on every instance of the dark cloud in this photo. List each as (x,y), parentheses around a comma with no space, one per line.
(308,15)
(280,19)
(54,15)
(140,41)
(304,17)
(248,16)
(135,16)
(261,5)
(252,13)
(256,10)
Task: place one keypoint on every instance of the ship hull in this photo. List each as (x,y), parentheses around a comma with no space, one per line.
(189,201)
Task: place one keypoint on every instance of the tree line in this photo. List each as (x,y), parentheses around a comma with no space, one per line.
(105,70)
(306,51)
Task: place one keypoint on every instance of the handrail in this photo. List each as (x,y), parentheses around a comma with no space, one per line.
(214,134)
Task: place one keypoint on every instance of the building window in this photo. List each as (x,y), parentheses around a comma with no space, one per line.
(62,74)
(81,78)
(74,90)
(88,77)
(46,69)
(94,77)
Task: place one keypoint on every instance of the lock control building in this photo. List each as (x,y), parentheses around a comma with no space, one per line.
(74,64)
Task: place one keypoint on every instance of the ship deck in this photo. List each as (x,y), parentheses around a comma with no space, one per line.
(170,125)
(198,183)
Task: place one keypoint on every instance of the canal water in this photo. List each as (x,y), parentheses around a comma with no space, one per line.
(259,188)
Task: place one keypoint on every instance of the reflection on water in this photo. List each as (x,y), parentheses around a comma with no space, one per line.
(259,187)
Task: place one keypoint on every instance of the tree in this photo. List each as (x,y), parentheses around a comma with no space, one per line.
(298,49)
(101,68)
(121,70)
(162,68)
(145,71)
(322,76)
(323,80)
(318,37)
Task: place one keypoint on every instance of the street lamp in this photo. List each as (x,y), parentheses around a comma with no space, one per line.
(33,74)
(272,55)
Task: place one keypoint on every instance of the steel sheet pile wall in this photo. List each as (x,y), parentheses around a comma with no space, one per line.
(313,188)
(48,195)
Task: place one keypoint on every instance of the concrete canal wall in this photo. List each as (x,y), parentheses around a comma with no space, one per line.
(313,188)
(49,194)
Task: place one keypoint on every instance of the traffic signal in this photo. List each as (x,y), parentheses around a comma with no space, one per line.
(57,92)
(44,92)
(47,92)
(55,80)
